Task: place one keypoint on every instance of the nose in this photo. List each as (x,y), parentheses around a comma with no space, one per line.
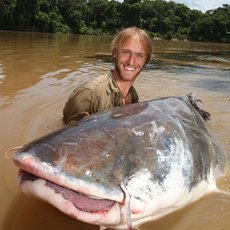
(131,60)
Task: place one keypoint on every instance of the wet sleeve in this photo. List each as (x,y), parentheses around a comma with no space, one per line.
(79,104)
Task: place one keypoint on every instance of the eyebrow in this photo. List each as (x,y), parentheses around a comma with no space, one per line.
(139,53)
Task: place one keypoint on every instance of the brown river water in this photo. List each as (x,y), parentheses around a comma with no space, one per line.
(39,71)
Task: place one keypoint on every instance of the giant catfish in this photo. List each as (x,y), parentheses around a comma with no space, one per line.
(125,166)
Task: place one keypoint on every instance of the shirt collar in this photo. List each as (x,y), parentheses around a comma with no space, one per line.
(114,88)
(112,84)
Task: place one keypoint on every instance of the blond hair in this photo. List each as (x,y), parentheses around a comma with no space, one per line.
(126,33)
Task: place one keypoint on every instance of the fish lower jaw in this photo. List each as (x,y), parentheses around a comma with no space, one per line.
(39,189)
(110,214)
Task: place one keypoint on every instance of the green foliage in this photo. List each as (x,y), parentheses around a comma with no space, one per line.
(161,19)
(7,10)
(212,26)
(49,20)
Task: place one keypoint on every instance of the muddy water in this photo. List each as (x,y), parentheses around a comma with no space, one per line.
(38,72)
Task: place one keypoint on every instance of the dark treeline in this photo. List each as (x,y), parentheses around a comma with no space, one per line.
(161,19)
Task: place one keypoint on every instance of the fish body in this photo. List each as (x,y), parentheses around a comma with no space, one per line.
(125,166)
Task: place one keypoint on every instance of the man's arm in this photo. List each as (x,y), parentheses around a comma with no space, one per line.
(78,105)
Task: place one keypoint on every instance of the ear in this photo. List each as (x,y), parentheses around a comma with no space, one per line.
(114,53)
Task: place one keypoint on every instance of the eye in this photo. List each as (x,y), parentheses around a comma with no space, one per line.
(125,52)
(140,55)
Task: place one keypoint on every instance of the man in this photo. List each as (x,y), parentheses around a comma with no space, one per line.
(131,50)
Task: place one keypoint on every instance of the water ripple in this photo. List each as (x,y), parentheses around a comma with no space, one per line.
(2,76)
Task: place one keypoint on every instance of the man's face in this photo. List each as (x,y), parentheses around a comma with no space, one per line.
(130,59)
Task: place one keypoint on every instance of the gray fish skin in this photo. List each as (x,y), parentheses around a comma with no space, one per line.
(161,151)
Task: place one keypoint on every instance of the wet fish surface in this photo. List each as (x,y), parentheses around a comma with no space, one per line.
(126,166)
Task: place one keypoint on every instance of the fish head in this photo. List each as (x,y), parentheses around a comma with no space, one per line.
(123,167)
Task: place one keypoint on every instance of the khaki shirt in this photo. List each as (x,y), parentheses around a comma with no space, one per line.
(94,96)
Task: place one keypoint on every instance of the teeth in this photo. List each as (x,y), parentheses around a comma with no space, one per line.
(129,68)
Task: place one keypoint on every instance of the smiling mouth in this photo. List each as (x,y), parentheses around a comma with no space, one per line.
(129,68)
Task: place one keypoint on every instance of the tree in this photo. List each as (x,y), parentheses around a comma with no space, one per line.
(72,12)
(25,12)
(7,9)
(131,14)
(160,18)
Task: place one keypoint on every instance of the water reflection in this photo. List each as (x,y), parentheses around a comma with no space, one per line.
(200,56)
(2,76)
(213,85)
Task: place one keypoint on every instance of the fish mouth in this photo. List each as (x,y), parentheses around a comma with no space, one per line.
(80,201)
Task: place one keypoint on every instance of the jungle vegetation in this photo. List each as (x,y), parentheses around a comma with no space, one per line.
(166,20)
